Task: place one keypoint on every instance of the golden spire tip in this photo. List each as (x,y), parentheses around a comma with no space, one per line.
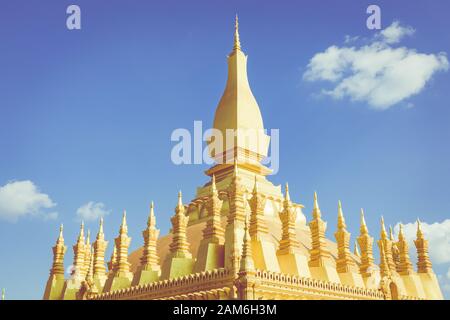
(316,202)
(180,198)
(237,43)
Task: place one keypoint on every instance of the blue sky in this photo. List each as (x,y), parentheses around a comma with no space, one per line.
(87,115)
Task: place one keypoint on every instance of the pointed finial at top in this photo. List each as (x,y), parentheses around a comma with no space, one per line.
(363,227)
(419,229)
(151,216)
(316,203)
(88,238)
(124,218)
(383,229)
(123,226)
(61,228)
(316,210)
(100,229)
(287,196)
(237,42)
(391,233)
(400,232)
(341,220)
(81,236)
(180,199)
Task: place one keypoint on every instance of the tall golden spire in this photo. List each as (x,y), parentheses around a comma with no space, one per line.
(288,216)
(58,255)
(238,110)
(319,252)
(100,245)
(344,261)
(365,242)
(423,260)
(405,267)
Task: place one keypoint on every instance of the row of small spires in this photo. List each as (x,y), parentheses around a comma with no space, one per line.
(394,256)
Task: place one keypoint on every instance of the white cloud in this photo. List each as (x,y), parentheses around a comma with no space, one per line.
(376,73)
(92,211)
(395,32)
(438,236)
(23,198)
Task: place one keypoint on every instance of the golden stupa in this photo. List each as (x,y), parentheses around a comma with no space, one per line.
(242,238)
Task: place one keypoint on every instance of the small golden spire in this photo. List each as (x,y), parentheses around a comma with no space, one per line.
(99,246)
(423,260)
(365,242)
(237,42)
(384,266)
(113,260)
(150,258)
(90,271)
(123,226)
(58,254)
(405,266)
(88,238)
(363,227)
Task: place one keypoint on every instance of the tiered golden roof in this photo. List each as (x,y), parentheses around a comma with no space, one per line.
(242,238)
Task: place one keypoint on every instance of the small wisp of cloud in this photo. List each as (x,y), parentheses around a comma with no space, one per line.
(92,211)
